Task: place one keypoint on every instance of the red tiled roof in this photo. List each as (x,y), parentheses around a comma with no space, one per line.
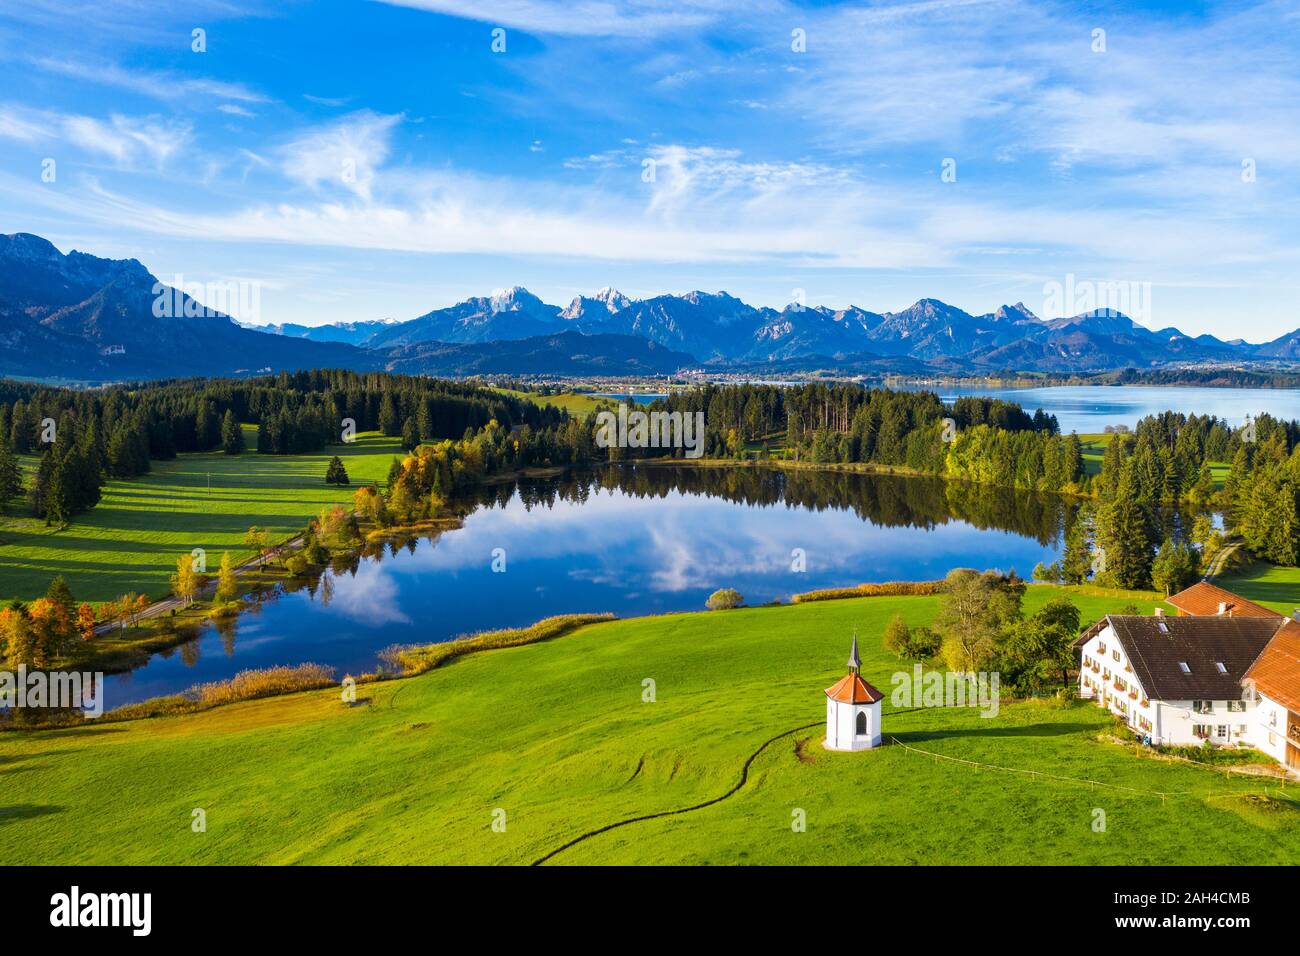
(1276,672)
(852,689)
(1202,599)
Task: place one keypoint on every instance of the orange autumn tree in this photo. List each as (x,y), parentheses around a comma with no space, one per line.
(17,642)
(86,621)
(52,628)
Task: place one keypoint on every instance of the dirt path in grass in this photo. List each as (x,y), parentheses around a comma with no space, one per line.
(744,778)
(1220,559)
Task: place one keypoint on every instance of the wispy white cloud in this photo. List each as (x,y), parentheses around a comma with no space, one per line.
(124,140)
(343,153)
(613,18)
(163,86)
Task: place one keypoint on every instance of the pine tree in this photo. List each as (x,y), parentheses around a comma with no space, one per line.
(20,430)
(1076,559)
(410,435)
(11,475)
(61,594)
(1124,536)
(388,420)
(336,474)
(207,427)
(232,436)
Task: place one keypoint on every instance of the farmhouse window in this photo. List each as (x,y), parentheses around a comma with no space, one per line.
(1236,706)
(1201,730)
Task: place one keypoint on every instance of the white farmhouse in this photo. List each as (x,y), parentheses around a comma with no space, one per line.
(853,710)
(1229,677)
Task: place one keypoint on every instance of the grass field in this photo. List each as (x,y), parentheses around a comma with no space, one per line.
(556,736)
(1267,584)
(575,403)
(131,539)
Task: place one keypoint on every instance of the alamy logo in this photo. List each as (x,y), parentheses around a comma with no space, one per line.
(638,429)
(205,300)
(134,910)
(54,689)
(1109,298)
(922,688)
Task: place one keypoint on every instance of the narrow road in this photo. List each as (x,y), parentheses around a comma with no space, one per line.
(167,605)
(1216,565)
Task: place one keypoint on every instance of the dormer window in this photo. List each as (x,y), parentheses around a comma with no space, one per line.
(1221,668)
(1182,666)
(1164,628)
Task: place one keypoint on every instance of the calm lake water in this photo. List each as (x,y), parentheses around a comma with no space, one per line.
(1088,409)
(632,540)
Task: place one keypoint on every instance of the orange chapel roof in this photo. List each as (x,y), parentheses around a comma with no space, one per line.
(852,689)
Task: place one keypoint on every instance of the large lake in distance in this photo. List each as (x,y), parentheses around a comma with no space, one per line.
(1088,409)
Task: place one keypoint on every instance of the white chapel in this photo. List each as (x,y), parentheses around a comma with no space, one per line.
(853,710)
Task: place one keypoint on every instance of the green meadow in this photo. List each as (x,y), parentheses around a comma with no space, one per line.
(555,740)
(131,539)
(580,404)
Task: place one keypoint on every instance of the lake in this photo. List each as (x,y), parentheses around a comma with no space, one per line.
(1088,409)
(632,539)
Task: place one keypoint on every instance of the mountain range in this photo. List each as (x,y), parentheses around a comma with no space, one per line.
(79,317)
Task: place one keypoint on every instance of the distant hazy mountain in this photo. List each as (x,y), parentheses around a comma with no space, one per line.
(562,353)
(710,326)
(81,317)
(512,314)
(1284,347)
(351,333)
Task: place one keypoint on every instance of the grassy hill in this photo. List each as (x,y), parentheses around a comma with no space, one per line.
(131,539)
(557,736)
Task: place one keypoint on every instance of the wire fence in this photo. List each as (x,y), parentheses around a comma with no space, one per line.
(1082,781)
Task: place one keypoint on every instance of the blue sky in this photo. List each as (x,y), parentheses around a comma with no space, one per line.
(363,160)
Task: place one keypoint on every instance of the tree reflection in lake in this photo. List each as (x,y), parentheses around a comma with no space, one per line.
(633,539)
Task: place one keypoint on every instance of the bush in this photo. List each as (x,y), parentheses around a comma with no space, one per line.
(418,658)
(925,642)
(885,589)
(898,639)
(246,685)
(724,599)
